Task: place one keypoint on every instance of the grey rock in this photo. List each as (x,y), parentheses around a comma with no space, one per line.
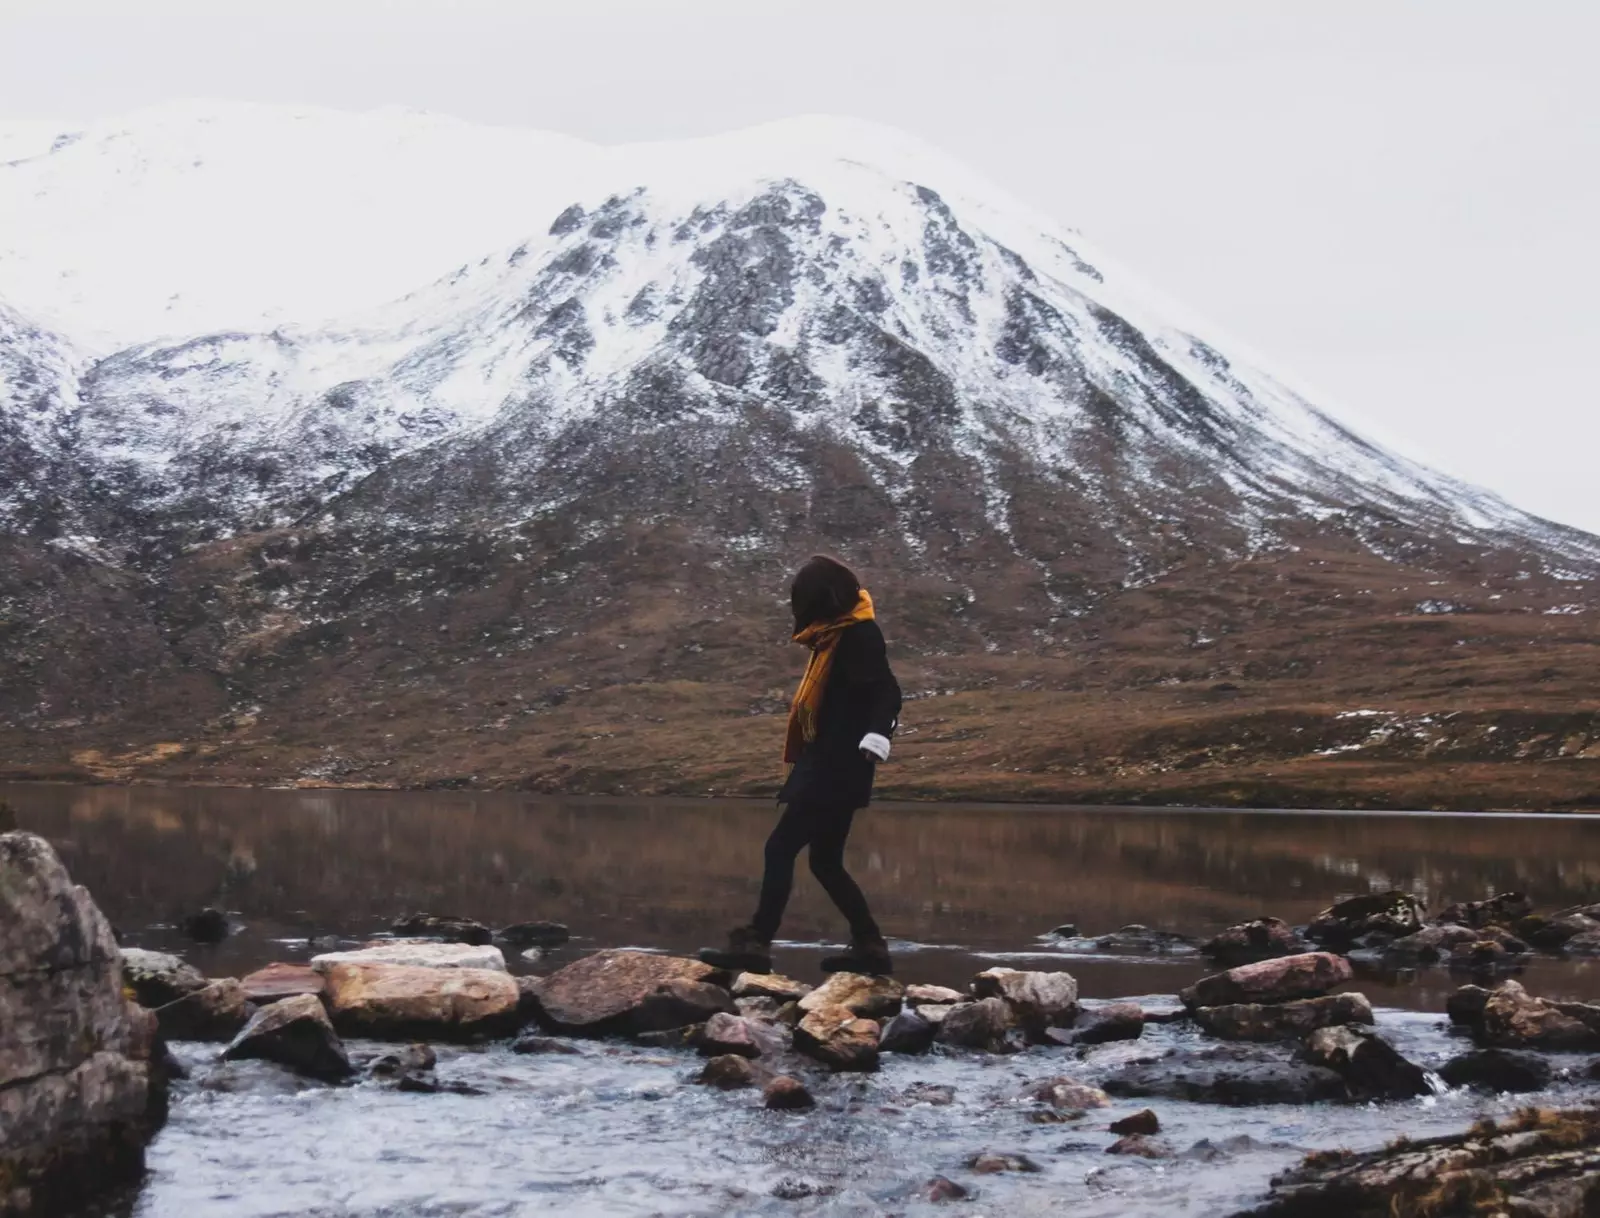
(1498,1070)
(1235,1075)
(907,1032)
(294,1032)
(1371,1067)
(1285,1020)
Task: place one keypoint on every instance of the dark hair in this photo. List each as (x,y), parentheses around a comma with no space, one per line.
(822,590)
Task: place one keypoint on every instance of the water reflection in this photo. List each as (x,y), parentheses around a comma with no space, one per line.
(673,873)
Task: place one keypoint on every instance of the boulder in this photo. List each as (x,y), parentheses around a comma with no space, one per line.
(1502,909)
(1067,1093)
(787,1094)
(933,995)
(869,997)
(1037,1000)
(1513,1018)
(727,1073)
(207,926)
(936,1013)
(1144,1122)
(81,1093)
(907,1032)
(1485,958)
(1465,1007)
(839,1039)
(278,981)
(779,988)
(1309,975)
(1552,933)
(216,1011)
(1103,1024)
(1257,939)
(1283,1020)
(1371,1067)
(1372,917)
(764,1009)
(1498,1070)
(987,1024)
(624,993)
(294,1032)
(402,1002)
(435,926)
(1137,940)
(524,935)
(1537,1164)
(1429,944)
(724,1033)
(417,954)
(1140,1146)
(1235,1075)
(157,978)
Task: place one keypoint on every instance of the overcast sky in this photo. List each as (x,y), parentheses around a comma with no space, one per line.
(1397,203)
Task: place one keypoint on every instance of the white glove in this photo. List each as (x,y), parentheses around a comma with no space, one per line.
(875,744)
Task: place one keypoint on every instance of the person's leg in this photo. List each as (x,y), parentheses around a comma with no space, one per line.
(789,836)
(827,864)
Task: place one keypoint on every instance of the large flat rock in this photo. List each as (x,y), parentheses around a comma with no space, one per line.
(1308,975)
(628,992)
(417,955)
(401,1002)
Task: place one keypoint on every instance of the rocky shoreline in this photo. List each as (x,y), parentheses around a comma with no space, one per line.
(1278,1023)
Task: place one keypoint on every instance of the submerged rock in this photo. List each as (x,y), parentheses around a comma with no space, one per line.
(1102,1025)
(1067,1093)
(787,1094)
(1257,939)
(624,993)
(1538,1164)
(1371,1067)
(839,1039)
(1227,1074)
(942,1188)
(1284,1020)
(1376,916)
(1502,909)
(990,1163)
(1309,975)
(1144,1121)
(524,935)
(869,997)
(1554,932)
(397,1002)
(207,926)
(1498,1070)
(435,926)
(727,1073)
(1429,944)
(79,1093)
(417,954)
(1135,939)
(907,1032)
(1141,1146)
(279,981)
(530,1043)
(294,1032)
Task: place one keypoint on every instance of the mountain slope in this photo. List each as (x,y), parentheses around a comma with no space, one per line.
(548,501)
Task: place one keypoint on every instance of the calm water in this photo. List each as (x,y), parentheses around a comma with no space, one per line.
(957,885)
(621,1131)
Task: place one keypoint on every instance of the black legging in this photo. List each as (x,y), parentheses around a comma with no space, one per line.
(823,827)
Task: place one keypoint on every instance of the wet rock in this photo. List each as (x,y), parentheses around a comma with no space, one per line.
(724,1033)
(412,1059)
(687,1037)
(526,935)
(1284,979)
(1037,1000)
(1371,1067)
(1502,909)
(987,1024)
(279,981)
(838,1039)
(294,1032)
(436,926)
(216,1011)
(530,1043)
(1227,1074)
(727,1073)
(1102,1025)
(1066,1093)
(933,995)
(907,1032)
(1498,1070)
(1067,930)
(868,997)
(1143,1122)
(1257,939)
(1465,1007)
(1380,916)
(1429,944)
(1135,939)
(1586,944)
(787,1094)
(1284,1020)
(624,993)
(79,1093)
(430,1084)
(1176,1013)
(157,978)
(764,1009)
(399,1002)
(779,988)
(990,1163)
(1485,958)
(1538,1164)
(1140,1146)
(417,954)
(938,1095)
(942,1188)
(207,926)
(1552,933)
(1513,1018)
(936,1014)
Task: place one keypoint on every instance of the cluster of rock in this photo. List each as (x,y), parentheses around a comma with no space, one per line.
(81,1089)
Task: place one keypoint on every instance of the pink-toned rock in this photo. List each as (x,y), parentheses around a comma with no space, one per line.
(402,1002)
(626,993)
(279,981)
(1309,975)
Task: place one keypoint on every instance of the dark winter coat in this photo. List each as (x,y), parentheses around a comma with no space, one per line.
(861,696)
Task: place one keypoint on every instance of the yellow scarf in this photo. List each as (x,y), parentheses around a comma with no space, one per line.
(821,637)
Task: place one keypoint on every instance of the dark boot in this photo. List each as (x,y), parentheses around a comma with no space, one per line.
(870,956)
(747,952)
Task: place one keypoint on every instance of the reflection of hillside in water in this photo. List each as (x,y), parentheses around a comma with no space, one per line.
(670,871)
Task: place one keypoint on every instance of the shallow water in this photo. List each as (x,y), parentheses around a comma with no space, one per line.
(620,1131)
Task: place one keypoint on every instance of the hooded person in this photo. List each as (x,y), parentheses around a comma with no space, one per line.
(843,716)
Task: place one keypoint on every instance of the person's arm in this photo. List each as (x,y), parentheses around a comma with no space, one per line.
(870,678)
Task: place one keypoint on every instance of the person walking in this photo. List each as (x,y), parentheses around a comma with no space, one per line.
(841,721)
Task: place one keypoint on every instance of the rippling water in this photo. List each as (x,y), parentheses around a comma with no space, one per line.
(619,1131)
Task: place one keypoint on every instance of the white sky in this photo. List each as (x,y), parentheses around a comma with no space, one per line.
(1395,201)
